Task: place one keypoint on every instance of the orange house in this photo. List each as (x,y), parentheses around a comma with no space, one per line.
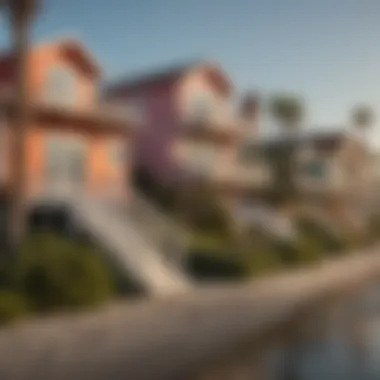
(74,143)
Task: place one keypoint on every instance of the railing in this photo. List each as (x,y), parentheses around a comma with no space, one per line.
(216,121)
(164,233)
(216,333)
(251,175)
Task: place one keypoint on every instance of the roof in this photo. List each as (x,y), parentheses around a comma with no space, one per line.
(152,76)
(71,44)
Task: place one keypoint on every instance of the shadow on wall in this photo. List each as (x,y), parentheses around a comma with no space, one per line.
(163,196)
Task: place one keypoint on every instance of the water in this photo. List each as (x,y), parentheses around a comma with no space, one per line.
(347,348)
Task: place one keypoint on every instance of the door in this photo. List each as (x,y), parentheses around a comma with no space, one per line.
(66,165)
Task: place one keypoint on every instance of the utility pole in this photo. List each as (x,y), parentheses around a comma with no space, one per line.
(20,13)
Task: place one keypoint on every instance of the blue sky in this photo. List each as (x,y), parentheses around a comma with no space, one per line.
(325,50)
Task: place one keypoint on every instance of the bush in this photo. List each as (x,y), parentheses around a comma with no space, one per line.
(13,306)
(203,211)
(212,256)
(55,273)
(264,262)
(326,241)
(308,250)
(374,226)
(207,265)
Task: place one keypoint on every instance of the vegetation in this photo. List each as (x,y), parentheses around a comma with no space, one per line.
(289,111)
(260,254)
(55,274)
(363,117)
(203,210)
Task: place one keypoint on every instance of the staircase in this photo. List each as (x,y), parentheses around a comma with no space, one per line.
(129,245)
(168,236)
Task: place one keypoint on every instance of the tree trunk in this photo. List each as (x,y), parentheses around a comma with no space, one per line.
(17,221)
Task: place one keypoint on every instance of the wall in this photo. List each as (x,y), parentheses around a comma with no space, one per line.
(155,135)
(45,58)
(103,176)
(165,104)
(223,154)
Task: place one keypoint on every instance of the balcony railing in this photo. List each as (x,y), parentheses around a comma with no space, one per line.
(246,175)
(218,123)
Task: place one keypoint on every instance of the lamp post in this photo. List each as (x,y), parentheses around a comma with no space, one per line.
(20,13)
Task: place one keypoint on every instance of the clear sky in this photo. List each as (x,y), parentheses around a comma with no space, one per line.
(325,50)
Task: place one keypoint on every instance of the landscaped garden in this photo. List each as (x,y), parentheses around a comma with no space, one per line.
(55,274)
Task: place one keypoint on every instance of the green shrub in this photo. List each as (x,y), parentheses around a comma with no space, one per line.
(207,265)
(13,306)
(260,254)
(56,273)
(308,249)
(202,210)
(263,262)
(326,241)
(374,225)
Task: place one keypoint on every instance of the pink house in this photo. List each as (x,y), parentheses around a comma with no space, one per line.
(189,126)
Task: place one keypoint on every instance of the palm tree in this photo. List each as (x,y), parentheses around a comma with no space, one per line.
(288,111)
(363,117)
(20,14)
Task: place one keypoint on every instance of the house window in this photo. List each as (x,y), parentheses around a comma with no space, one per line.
(201,104)
(118,153)
(315,169)
(65,159)
(61,87)
(204,158)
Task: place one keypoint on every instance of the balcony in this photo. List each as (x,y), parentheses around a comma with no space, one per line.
(329,183)
(217,125)
(253,176)
(226,175)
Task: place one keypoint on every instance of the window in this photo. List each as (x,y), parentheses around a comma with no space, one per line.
(61,87)
(315,169)
(65,159)
(118,153)
(203,158)
(201,104)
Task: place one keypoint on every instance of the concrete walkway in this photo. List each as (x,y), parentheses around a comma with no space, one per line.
(175,337)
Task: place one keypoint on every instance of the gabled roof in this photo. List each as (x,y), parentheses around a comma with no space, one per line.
(74,47)
(152,76)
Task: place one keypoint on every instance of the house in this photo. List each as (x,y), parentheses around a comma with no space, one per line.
(332,170)
(190,131)
(74,142)
(78,161)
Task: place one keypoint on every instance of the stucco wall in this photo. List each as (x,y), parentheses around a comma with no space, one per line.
(45,58)
(223,154)
(103,176)
(157,131)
